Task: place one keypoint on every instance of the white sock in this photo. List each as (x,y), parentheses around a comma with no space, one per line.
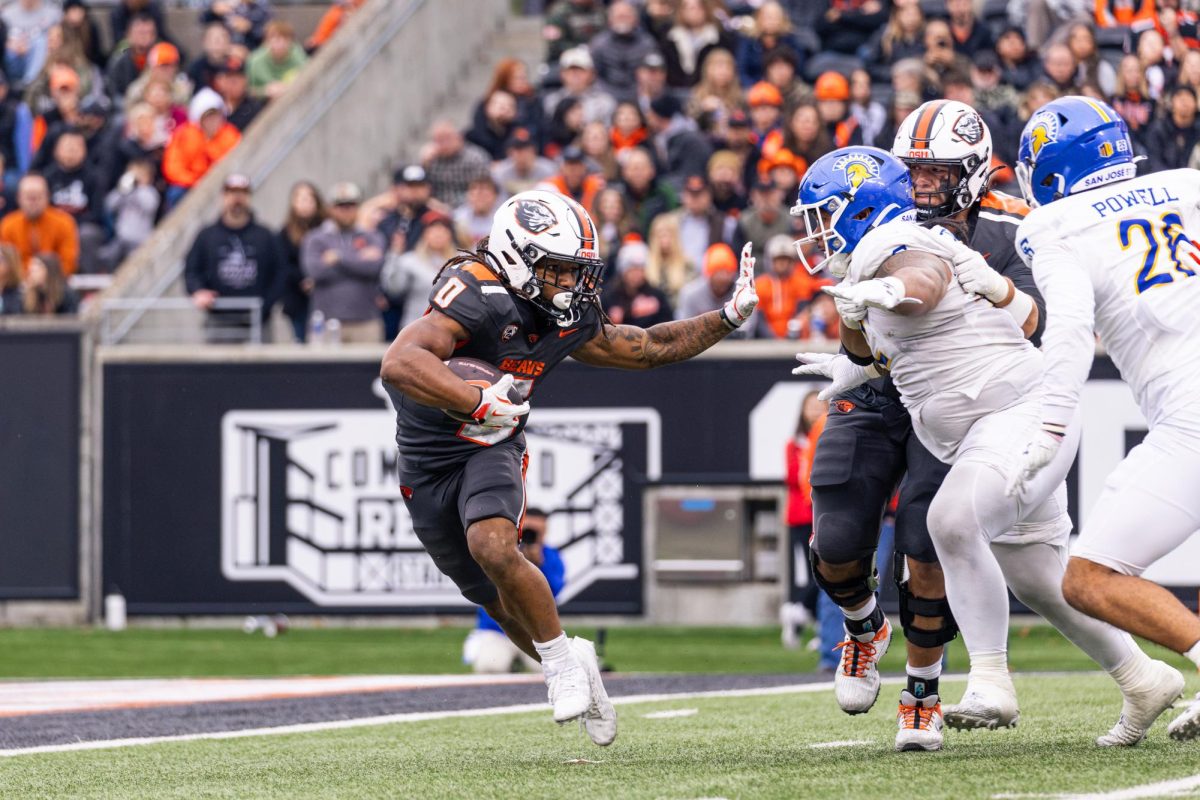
(556,649)
(1193,654)
(1132,672)
(991,667)
(861,613)
(934,670)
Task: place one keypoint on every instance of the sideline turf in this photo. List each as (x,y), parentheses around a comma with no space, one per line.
(142,652)
(733,748)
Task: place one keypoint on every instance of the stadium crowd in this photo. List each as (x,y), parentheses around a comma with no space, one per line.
(97,145)
(684,126)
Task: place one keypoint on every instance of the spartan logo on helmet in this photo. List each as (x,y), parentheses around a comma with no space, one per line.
(1044,131)
(534,216)
(969,128)
(858,168)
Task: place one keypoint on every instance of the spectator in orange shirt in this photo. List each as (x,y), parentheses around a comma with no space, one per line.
(783,289)
(801,607)
(36,227)
(198,144)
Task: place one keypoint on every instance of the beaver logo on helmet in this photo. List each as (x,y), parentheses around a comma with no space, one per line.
(969,128)
(534,216)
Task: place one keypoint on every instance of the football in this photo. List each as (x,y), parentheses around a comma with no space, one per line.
(477,373)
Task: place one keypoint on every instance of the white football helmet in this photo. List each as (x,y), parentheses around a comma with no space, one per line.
(949,134)
(537,230)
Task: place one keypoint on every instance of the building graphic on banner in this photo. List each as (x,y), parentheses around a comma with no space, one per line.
(311,499)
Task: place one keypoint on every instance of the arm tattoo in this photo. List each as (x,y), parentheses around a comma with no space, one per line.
(681,339)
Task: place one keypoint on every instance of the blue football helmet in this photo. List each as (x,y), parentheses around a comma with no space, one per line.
(844,195)
(1070,145)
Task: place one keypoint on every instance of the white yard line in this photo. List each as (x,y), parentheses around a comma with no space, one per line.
(840,743)
(1172,788)
(673,713)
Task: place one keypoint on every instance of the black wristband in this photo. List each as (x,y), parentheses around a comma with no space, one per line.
(862,361)
(733,326)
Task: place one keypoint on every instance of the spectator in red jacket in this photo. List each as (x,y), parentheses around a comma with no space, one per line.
(195,147)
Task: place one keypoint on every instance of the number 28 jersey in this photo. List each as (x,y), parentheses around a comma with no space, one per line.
(1122,260)
(503,330)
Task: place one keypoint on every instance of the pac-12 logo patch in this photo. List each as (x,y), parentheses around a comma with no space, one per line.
(534,216)
(969,128)
(1043,132)
(858,168)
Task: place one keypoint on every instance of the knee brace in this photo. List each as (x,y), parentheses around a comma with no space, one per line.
(850,592)
(912,606)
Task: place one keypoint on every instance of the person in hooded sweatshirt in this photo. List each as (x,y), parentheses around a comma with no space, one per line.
(234,257)
(198,144)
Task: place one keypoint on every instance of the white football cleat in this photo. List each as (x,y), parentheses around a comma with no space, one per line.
(600,719)
(1142,707)
(856,682)
(568,689)
(919,723)
(1187,724)
(984,705)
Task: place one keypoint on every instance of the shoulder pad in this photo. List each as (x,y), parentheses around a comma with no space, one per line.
(885,241)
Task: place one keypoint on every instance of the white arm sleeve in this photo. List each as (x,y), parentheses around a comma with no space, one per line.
(1069,343)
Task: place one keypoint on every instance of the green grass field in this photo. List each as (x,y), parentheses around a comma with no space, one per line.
(150,652)
(737,747)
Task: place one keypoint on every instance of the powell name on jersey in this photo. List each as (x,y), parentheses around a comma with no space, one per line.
(502,330)
(1135,243)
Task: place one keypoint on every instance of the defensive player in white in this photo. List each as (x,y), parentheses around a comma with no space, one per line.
(1114,255)
(970,381)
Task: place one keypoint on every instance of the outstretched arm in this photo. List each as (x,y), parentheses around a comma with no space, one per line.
(910,283)
(629,347)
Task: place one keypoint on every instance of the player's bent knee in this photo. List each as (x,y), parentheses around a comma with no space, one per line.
(493,544)
(1081,584)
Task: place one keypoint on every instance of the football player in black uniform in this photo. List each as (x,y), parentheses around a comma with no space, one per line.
(527,298)
(868,449)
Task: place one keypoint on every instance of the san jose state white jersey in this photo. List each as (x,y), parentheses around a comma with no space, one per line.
(1121,259)
(949,358)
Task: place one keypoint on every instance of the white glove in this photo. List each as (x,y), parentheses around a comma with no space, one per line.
(1037,454)
(976,277)
(843,372)
(882,293)
(495,410)
(851,312)
(745,298)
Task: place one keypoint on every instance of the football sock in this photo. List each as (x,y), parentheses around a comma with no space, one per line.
(923,681)
(1133,671)
(1035,573)
(556,649)
(1193,654)
(863,623)
(992,667)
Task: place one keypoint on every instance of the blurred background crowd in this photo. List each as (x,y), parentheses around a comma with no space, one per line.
(684,126)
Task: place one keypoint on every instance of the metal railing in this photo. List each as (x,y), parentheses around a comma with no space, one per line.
(231,320)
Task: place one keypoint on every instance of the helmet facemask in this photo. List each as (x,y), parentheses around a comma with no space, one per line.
(950,196)
(820,228)
(547,270)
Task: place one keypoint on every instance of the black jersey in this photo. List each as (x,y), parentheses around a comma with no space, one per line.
(503,330)
(993,226)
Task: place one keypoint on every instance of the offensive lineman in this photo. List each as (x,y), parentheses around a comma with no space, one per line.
(868,446)
(523,301)
(969,379)
(1116,255)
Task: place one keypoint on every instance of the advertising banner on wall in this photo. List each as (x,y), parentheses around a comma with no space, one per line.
(272,485)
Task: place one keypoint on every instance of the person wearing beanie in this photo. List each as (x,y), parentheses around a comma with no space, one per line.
(632,299)
(711,289)
(832,93)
